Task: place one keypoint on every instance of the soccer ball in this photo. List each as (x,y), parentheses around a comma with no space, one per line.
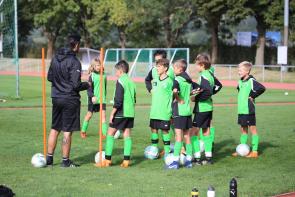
(169,159)
(97,157)
(182,159)
(243,149)
(151,152)
(117,134)
(202,146)
(38,160)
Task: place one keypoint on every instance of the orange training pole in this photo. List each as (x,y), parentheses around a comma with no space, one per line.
(101,57)
(44,101)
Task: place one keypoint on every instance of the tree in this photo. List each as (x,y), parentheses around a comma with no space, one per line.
(117,13)
(212,11)
(51,17)
(169,17)
(268,14)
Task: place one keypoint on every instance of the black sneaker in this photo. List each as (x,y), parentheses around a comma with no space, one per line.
(68,164)
(197,162)
(207,161)
(49,160)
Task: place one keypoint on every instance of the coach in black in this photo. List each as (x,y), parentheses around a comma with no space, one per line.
(65,76)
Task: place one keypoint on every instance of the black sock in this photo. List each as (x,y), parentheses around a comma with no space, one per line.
(49,159)
(65,160)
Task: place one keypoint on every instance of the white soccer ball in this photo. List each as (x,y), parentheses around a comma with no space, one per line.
(151,152)
(117,134)
(286,93)
(243,150)
(202,146)
(38,160)
(97,157)
(182,159)
(169,159)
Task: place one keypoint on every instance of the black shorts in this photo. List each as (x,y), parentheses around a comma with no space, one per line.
(182,122)
(247,120)
(66,114)
(96,107)
(202,119)
(160,124)
(122,123)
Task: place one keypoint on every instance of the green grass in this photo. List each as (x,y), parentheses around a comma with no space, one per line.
(21,137)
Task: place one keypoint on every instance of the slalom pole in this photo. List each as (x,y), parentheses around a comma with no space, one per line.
(44,100)
(101,57)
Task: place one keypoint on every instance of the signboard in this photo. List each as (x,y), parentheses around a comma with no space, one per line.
(282,54)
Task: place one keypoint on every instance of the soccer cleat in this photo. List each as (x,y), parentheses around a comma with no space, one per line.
(207,161)
(69,164)
(105,163)
(197,161)
(173,165)
(188,164)
(83,135)
(235,154)
(253,154)
(125,163)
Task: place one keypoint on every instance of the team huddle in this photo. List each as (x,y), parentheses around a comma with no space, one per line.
(172,92)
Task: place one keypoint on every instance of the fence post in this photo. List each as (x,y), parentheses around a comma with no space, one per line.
(230,72)
(263,70)
(281,77)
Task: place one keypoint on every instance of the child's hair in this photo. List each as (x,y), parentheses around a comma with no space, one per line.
(203,59)
(94,63)
(247,65)
(163,62)
(122,65)
(160,52)
(181,63)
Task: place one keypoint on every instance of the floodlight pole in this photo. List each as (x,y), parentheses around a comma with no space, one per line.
(286,22)
(16,48)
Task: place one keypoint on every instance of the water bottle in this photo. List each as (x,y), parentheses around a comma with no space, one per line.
(233,188)
(211,191)
(195,192)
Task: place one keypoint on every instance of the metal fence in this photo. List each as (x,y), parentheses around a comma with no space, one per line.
(264,73)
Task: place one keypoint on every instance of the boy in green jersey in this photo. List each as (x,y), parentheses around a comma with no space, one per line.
(181,113)
(161,111)
(152,78)
(203,110)
(94,97)
(122,115)
(248,89)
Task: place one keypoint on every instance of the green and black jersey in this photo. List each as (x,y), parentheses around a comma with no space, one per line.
(162,95)
(153,75)
(183,83)
(94,89)
(125,97)
(204,102)
(248,88)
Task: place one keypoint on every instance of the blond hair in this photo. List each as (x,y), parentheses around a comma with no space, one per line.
(247,65)
(94,62)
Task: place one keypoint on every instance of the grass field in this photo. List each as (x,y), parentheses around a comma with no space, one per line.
(21,136)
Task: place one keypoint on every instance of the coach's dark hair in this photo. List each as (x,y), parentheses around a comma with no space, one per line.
(163,62)
(122,65)
(181,63)
(73,40)
(160,52)
(203,59)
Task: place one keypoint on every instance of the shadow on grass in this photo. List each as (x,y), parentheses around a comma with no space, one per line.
(231,145)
